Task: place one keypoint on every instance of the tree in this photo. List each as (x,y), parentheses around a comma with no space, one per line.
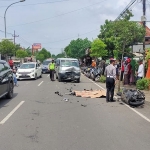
(46,53)
(126,33)
(7,48)
(76,48)
(107,36)
(21,54)
(43,54)
(98,48)
(29,51)
(40,57)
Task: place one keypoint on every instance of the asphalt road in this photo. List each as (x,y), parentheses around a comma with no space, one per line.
(38,119)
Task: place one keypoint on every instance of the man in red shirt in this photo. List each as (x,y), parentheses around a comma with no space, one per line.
(11,63)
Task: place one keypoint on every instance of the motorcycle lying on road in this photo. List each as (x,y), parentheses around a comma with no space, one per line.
(133,97)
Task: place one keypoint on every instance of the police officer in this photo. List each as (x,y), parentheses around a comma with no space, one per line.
(52,70)
(110,73)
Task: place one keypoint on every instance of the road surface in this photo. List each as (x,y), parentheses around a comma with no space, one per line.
(38,119)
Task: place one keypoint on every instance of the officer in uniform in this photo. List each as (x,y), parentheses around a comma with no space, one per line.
(110,73)
(52,70)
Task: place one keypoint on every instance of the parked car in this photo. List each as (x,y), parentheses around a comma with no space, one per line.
(45,65)
(67,69)
(29,70)
(6,80)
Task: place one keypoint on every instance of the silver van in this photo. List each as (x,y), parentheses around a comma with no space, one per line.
(67,69)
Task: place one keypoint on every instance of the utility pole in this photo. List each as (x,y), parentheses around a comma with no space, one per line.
(15,37)
(144,24)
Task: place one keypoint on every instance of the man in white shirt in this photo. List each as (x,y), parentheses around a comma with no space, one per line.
(140,73)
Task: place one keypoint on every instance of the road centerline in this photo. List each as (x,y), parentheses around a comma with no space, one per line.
(11,113)
(40,83)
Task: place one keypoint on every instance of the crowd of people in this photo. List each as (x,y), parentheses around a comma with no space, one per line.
(128,71)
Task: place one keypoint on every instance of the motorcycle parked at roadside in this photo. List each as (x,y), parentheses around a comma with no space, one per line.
(87,72)
(97,74)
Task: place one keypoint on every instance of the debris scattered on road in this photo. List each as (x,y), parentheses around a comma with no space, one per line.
(66,99)
(83,105)
(59,94)
(71,93)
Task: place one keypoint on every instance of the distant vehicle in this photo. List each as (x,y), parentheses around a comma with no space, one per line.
(29,70)
(67,69)
(6,80)
(45,65)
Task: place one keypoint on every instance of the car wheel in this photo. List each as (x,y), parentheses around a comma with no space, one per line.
(78,80)
(10,92)
(35,77)
(41,75)
(59,78)
(56,76)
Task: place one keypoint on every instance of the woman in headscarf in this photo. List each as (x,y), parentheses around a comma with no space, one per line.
(127,71)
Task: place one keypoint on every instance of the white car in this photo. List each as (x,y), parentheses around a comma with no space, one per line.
(30,70)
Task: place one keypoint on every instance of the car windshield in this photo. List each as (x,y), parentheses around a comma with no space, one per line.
(68,63)
(46,62)
(27,66)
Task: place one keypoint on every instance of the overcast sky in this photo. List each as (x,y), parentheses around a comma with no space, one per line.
(54,23)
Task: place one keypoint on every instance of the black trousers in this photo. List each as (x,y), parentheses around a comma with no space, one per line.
(110,86)
(52,74)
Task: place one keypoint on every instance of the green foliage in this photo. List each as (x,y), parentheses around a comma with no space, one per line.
(40,57)
(121,34)
(107,36)
(7,47)
(43,54)
(29,51)
(21,54)
(143,84)
(103,79)
(148,54)
(60,55)
(98,48)
(76,48)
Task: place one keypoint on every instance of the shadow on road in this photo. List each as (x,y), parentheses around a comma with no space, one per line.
(4,100)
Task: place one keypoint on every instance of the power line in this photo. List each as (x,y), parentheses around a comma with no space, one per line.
(59,15)
(126,8)
(71,37)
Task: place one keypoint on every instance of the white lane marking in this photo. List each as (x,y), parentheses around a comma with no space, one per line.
(97,85)
(144,117)
(47,75)
(141,115)
(40,83)
(11,113)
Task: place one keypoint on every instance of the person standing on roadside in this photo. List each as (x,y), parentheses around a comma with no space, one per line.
(11,63)
(140,73)
(110,73)
(52,70)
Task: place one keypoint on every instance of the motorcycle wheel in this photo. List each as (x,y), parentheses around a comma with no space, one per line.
(97,78)
(136,103)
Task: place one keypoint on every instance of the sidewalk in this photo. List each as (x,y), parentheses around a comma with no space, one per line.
(147,93)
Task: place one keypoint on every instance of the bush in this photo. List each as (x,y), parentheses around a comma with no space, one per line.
(143,84)
(102,79)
